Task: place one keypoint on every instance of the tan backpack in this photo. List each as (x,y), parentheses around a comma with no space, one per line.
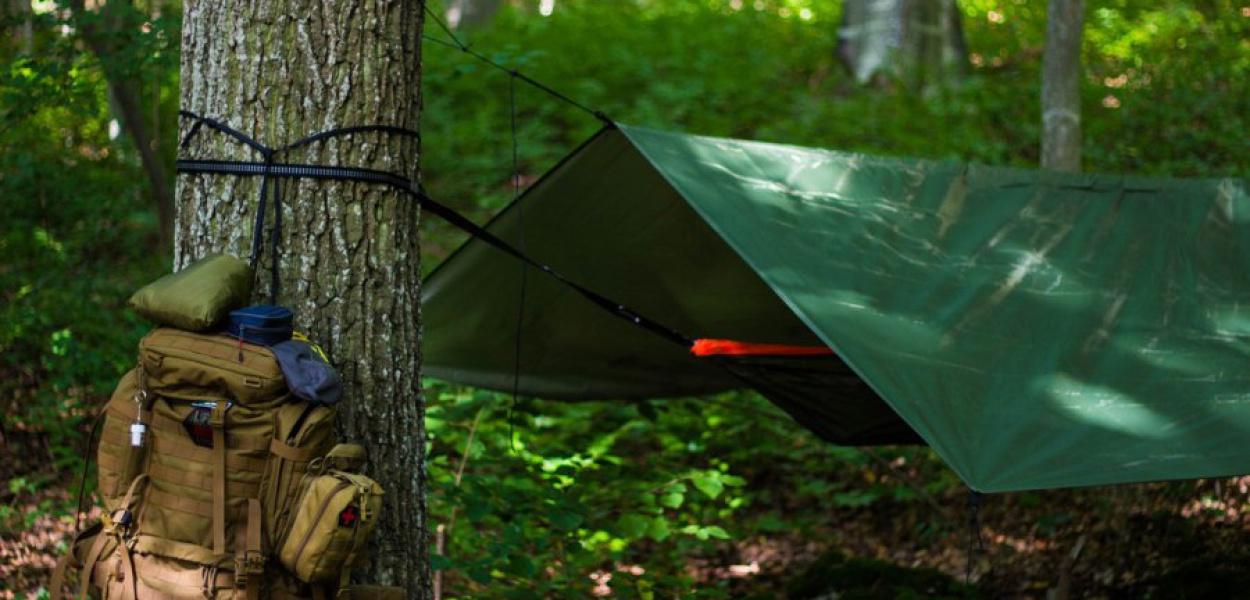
(207,467)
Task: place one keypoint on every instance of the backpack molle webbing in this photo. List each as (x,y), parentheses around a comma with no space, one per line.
(203,458)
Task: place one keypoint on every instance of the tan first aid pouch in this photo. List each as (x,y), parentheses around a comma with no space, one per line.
(333,519)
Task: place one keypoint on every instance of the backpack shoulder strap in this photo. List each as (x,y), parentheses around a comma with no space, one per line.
(57,586)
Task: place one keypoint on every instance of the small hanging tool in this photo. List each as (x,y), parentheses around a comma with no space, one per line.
(139,429)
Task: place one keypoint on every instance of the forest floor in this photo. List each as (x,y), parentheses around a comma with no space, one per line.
(1171,540)
(1119,542)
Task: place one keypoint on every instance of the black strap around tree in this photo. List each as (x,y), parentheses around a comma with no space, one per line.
(271,169)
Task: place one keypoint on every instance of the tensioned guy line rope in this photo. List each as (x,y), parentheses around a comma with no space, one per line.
(269,169)
(457,44)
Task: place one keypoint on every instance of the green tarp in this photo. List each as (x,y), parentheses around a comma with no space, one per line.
(1038,330)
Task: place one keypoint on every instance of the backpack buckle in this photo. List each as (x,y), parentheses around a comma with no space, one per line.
(208,580)
(248,563)
(119,522)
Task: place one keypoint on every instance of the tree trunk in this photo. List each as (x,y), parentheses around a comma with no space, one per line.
(921,42)
(125,95)
(1061,86)
(349,262)
(23,32)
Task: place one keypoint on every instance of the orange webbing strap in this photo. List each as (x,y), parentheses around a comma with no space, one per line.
(705,347)
(57,586)
(249,562)
(219,477)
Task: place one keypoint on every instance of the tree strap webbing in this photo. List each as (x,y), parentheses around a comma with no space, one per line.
(269,168)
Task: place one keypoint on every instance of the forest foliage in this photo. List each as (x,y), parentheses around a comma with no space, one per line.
(536,499)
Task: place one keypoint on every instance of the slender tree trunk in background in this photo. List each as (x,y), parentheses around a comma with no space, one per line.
(471,13)
(23,32)
(349,264)
(126,98)
(1061,86)
(919,41)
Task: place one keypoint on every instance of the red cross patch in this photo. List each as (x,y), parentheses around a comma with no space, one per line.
(349,516)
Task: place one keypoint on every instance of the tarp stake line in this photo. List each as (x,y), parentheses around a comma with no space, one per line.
(976,543)
(271,169)
(525,270)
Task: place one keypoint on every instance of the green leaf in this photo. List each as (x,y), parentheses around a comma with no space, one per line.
(854,498)
(478,509)
(521,566)
(439,562)
(647,410)
(716,532)
(480,574)
(708,484)
(633,526)
(565,520)
(673,499)
(659,530)
(732,480)
(522,594)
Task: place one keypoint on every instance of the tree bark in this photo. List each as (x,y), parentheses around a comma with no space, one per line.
(349,261)
(1061,86)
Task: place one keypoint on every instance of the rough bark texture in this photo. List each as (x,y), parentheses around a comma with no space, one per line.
(349,259)
(919,41)
(1061,86)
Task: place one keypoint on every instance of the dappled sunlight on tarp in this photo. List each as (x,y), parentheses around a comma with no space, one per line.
(1104,407)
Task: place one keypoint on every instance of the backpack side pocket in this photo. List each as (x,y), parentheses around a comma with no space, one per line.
(304,432)
(336,513)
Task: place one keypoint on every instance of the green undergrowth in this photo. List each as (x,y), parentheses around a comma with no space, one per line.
(640,500)
(553,500)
